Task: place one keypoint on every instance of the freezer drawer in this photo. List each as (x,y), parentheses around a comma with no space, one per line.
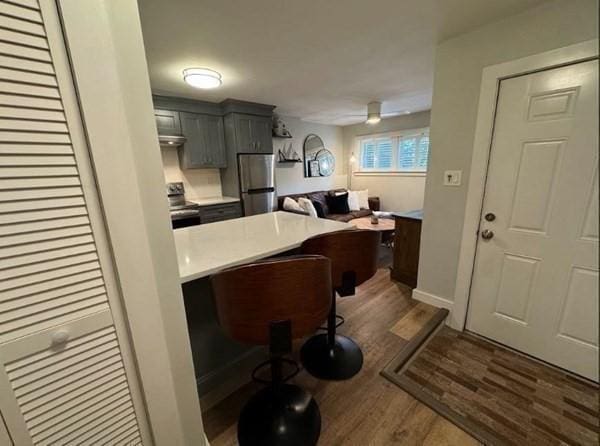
(258,202)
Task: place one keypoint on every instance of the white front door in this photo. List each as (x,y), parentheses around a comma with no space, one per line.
(535,281)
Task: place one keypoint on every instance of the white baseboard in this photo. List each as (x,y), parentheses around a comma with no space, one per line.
(436,301)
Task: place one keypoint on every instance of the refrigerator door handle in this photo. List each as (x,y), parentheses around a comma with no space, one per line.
(261,190)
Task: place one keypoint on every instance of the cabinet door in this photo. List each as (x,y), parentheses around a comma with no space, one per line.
(262,134)
(243,134)
(167,122)
(215,141)
(194,153)
(67,370)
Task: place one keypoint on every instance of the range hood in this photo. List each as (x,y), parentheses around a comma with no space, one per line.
(171,140)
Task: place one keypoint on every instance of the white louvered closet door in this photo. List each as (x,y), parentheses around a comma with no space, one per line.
(67,374)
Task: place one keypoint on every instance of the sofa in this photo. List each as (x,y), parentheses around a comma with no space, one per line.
(320,196)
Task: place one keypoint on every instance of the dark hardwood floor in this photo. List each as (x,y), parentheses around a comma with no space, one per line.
(367,409)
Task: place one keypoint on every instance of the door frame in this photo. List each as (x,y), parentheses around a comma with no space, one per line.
(486,113)
(117,116)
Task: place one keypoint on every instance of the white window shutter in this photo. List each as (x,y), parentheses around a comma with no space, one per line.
(53,280)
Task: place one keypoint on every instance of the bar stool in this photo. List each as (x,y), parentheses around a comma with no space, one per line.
(270,303)
(353,255)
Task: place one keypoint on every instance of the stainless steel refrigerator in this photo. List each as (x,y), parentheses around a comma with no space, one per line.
(257,183)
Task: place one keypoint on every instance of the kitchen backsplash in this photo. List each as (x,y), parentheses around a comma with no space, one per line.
(198,183)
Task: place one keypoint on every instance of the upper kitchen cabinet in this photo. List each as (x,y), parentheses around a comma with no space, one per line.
(248,126)
(205,141)
(262,131)
(251,134)
(167,122)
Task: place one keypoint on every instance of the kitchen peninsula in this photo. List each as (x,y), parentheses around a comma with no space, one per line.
(205,249)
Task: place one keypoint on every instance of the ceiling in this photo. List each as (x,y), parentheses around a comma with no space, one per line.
(319,60)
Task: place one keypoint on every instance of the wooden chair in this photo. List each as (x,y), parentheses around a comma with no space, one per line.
(270,303)
(354,255)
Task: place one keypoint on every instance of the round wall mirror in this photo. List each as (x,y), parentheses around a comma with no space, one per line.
(318,161)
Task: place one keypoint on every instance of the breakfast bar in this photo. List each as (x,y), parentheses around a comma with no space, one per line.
(206,249)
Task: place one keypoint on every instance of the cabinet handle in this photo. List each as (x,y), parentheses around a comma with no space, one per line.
(259,145)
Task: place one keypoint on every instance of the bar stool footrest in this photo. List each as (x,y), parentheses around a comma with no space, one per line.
(268,363)
(338,324)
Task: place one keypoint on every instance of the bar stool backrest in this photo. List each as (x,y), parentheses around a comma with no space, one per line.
(250,298)
(353,253)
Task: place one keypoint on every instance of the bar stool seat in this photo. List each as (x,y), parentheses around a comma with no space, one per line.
(270,303)
(353,255)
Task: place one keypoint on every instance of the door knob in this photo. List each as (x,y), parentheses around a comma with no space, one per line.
(486,234)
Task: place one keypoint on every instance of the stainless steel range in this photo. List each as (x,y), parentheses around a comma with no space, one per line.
(183,213)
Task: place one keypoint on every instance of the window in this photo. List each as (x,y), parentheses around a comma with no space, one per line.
(376,154)
(406,151)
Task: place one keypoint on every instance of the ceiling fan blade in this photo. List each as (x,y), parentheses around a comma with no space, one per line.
(396,113)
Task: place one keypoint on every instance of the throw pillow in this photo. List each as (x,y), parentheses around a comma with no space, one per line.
(353,201)
(338,204)
(289,204)
(320,197)
(363,198)
(307,206)
(319,208)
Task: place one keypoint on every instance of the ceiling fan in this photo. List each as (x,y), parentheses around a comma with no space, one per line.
(374,114)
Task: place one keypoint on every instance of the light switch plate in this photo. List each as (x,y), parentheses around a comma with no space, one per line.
(452,177)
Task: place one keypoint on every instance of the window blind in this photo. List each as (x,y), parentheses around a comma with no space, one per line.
(397,152)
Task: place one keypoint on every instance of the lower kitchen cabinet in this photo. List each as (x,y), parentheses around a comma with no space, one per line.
(220,212)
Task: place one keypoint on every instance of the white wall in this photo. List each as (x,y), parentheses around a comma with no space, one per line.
(458,69)
(290,177)
(198,183)
(397,192)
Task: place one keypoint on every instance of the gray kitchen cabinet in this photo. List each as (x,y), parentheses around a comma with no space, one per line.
(167,122)
(220,212)
(243,133)
(253,134)
(205,141)
(262,133)
(215,137)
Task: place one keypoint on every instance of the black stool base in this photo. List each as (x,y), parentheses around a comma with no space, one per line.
(280,415)
(342,361)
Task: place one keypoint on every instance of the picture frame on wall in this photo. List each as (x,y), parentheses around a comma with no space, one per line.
(314,168)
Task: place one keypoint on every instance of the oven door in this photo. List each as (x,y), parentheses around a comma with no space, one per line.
(185,218)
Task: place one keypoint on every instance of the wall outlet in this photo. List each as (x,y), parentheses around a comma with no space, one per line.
(452,177)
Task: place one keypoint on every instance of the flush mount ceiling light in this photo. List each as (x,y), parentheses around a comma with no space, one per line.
(373,112)
(202,78)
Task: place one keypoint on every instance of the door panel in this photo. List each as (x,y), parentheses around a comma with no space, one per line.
(535,283)
(262,134)
(215,141)
(194,151)
(167,122)
(243,134)
(4,437)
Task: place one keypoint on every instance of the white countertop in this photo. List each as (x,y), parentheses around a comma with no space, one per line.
(205,249)
(214,200)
